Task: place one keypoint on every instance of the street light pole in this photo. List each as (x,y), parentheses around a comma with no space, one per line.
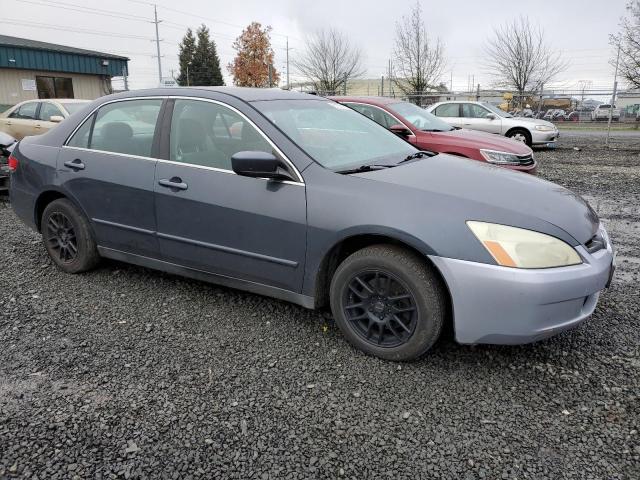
(613,98)
(288,84)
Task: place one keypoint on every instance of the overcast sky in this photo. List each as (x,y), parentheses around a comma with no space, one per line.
(577,28)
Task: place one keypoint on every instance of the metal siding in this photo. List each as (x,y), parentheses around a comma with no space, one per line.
(33,59)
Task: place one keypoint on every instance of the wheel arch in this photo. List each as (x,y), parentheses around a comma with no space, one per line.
(524,130)
(47,196)
(357,241)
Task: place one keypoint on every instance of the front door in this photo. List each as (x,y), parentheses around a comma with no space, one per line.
(108,167)
(474,117)
(213,220)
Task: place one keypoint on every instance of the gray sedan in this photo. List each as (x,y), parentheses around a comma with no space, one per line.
(303,199)
(487,118)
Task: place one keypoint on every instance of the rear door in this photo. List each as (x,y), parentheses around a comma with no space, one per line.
(108,167)
(213,220)
(474,117)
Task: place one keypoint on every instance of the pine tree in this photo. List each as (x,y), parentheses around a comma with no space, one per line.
(187,51)
(251,66)
(206,64)
(199,56)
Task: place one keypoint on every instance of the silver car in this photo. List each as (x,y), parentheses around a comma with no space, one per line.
(487,118)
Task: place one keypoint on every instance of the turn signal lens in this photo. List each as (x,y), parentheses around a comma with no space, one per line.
(521,248)
(12,162)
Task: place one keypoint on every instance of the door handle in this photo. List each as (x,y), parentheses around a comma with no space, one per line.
(9,123)
(175,183)
(75,164)
(38,125)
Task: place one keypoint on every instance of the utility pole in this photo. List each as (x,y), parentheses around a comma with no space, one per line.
(344,86)
(451,82)
(478,93)
(382,87)
(613,98)
(156,22)
(288,84)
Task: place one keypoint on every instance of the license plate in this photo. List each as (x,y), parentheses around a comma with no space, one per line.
(551,145)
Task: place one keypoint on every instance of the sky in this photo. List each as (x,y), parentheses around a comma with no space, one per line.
(579,29)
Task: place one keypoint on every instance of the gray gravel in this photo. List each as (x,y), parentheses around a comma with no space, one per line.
(129,373)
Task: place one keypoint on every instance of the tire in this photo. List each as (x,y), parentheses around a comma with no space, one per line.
(375,326)
(521,135)
(67,237)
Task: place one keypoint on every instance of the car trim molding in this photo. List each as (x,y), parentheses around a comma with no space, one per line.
(295,170)
(233,282)
(212,246)
(233,251)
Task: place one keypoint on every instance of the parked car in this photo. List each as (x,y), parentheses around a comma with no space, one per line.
(485,117)
(601,112)
(7,143)
(573,116)
(315,204)
(34,117)
(428,132)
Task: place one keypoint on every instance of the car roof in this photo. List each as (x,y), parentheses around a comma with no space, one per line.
(369,100)
(246,94)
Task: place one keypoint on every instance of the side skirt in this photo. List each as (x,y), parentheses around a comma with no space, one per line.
(253,287)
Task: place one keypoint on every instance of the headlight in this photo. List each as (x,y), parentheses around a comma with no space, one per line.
(520,248)
(500,158)
(545,128)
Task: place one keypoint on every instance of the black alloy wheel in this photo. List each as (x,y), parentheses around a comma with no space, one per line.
(381,308)
(62,237)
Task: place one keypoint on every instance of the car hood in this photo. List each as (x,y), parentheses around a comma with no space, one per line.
(533,121)
(489,141)
(479,191)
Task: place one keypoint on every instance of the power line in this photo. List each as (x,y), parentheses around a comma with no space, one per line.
(12,21)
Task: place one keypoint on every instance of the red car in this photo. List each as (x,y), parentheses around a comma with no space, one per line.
(428,132)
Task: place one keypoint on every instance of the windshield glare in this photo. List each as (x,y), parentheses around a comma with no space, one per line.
(419,117)
(497,111)
(334,135)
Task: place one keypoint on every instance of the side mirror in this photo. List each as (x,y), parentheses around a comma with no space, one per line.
(258,165)
(491,116)
(400,130)
(56,118)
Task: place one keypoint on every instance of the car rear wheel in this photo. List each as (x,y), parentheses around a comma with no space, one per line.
(388,302)
(67,237)
(520,135)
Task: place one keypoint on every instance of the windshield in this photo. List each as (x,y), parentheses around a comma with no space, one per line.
(419,117)
(73,107)
(497,111)
(335,136)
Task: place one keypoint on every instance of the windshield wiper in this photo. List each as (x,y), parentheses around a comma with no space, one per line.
(413,156)
(365,168)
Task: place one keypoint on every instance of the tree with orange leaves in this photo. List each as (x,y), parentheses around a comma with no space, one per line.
(250,68)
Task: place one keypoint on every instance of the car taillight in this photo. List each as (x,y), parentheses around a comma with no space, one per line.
(13,163)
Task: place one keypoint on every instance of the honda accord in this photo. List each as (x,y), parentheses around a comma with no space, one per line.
(303,199)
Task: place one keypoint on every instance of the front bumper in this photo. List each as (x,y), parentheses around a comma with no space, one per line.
(509,306)
(544,138)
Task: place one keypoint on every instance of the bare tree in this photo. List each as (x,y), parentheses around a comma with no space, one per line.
(519,57)
(330,61)
(418,60)
(629,42)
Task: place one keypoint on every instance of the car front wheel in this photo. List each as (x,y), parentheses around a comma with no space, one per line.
(520,135)
(388,302)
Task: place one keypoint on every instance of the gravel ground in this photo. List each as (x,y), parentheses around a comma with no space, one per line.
(129,373)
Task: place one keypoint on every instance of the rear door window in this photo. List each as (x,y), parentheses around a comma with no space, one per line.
(448,110)
(126,127)
(26,111)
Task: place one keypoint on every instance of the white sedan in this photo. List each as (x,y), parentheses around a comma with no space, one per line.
(487,118)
